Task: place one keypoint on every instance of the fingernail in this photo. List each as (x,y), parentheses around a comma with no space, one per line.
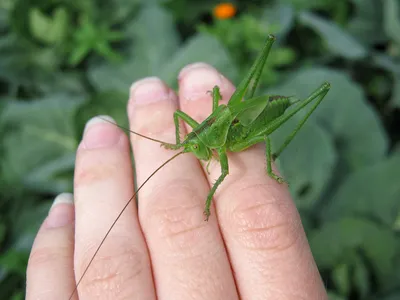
(195,80)
(193,66)
(148,90)
(100,133)
(61,212)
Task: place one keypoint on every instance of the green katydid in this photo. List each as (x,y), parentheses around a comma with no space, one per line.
(246,120)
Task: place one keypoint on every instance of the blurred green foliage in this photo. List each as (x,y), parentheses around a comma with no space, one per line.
(62,62)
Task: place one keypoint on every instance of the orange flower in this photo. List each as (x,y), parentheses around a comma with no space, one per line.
(224,11)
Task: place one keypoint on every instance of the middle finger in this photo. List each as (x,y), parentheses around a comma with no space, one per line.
(261,227)
(188,255)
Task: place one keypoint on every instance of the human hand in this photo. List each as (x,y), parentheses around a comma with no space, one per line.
(252,247)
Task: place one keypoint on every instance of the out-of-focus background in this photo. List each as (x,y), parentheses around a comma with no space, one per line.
(64,61)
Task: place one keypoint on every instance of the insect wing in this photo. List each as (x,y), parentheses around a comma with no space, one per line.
(213,131)
(247,111)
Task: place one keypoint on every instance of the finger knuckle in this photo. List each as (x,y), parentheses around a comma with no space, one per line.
(43,257)
(264,223)
(158,125)
(114,271)
(151,119)
(179,222)
(92,168)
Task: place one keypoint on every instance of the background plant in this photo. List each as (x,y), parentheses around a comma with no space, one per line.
(62,62)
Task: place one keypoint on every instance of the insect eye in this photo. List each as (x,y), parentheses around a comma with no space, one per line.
(195,146)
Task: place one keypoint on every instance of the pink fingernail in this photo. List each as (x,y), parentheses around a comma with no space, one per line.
(100,133)
(61,212)
(148,90)
(193,66)
(197,80)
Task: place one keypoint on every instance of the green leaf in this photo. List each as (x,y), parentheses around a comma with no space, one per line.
(366,23)
(196,49)
(396,149)
(361,278)
(341,278)
(2,232)
(393,296)
(310,4)
(110,102)
(14,261)
(335,242)
(395,99)
(337,40)
(156,52)
(18,295)
(154,43)
(39,23)
(92,36)
(391,20)
(27,223)
(334,296)
(282,15)
(4,7)
(46,29)
(372,192)
(362,140)
(35,69)
(386,62)
(39,148)
(123,9)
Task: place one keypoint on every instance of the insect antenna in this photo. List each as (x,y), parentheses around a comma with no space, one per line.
(127,129)
(119,215)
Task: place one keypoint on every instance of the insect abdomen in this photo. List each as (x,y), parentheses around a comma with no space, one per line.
(277,106)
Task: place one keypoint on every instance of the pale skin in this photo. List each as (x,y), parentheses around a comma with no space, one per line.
(252,247)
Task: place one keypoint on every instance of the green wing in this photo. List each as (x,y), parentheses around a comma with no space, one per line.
(213,131)
(247,111)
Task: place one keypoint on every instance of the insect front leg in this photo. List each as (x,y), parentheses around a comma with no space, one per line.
(186,118)
(223,158)
(319,95)
(216,95)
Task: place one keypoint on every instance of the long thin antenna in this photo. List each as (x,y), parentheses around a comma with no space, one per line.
(127,129)
(119,215)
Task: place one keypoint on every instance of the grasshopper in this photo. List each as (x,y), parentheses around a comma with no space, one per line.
(245,121)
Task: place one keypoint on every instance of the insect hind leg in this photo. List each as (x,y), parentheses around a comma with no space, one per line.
(319,95)
(268,153)
(270,158)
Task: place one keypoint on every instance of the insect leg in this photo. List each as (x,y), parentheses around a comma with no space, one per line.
(224,172)
(216,95)
(250,82)
(320,94)
(186,118)
(238,147)
(268,153)
(270,158)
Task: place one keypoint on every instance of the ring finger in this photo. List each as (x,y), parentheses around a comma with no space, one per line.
(103,185)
